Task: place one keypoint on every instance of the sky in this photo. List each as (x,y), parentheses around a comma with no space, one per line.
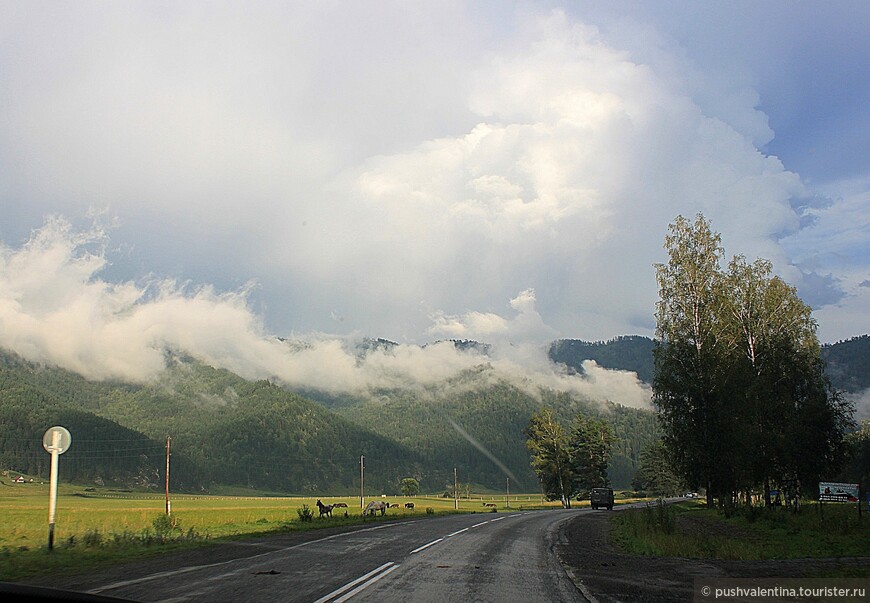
(213,175)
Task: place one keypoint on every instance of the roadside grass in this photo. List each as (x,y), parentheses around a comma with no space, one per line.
(97,527)
(691,530)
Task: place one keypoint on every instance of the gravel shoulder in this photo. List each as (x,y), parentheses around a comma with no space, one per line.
(604,573)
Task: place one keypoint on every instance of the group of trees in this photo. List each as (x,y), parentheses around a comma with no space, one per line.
(739,383)
(569,462)
(655,475)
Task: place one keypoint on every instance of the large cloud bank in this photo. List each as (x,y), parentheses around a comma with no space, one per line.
(401,171)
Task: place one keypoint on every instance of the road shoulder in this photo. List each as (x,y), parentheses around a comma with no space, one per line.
(604,573)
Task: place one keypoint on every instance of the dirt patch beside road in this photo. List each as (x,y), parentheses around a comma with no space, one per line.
(605,573)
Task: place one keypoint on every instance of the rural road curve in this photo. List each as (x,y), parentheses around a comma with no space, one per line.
(482,557)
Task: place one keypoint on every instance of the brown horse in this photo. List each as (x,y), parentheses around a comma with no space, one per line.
(324,509)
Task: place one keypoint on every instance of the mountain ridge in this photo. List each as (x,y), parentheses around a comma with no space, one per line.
(227,429)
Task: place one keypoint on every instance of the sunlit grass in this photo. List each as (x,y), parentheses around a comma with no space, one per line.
(98,525)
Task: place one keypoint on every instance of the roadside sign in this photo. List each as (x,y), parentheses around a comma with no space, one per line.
(56,439)
(836,492)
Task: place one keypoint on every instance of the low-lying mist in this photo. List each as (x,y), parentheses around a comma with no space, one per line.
(55,309)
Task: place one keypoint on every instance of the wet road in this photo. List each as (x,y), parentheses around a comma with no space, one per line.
(482,557)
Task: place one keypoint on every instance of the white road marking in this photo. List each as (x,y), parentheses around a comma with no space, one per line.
(482,523)
(353,583)
(366,585)
(457,532)
(274,550)
(426,546)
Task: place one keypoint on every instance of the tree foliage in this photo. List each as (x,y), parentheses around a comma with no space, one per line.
(655,474)
(590,447)
(739,382)
(568,463)
(410,486)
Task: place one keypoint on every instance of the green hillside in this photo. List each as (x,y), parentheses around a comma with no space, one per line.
(848,363)
(629,353)
(227,430)
(224,430)
(494,420)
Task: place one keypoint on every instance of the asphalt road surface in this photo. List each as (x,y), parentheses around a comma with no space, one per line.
(482,557)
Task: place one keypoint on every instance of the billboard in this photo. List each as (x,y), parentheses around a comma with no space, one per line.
(834,492)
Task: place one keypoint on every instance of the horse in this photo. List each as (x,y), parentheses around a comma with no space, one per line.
(489,505)
(409,505)
(376,505)
(324,509)
(339,505)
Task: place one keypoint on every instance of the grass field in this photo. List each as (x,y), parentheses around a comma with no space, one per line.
(94,526)
(691,530)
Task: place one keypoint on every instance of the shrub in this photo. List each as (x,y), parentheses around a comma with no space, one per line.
(305,513)
(430,511)
(92,538)
(164,525)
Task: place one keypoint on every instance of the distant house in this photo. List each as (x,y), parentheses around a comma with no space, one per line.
(19,480)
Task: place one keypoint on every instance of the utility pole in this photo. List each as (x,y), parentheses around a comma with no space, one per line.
(455,490)
(508,498)
(362,467)
(168,504)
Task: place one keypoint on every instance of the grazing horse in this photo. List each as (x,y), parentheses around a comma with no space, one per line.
(489,505)
(409,505)
(339,505)
(375,505)
(324,509)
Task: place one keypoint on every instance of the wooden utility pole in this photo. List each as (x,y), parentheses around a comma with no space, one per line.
(508,492)
(361,480)
(455,490)
(168,504)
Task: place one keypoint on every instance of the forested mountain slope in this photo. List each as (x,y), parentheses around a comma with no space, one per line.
(848,363)
(228,430)
(629,353)
(224,429)
(482,430)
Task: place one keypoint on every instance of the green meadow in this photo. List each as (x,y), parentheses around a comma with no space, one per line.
(94,526)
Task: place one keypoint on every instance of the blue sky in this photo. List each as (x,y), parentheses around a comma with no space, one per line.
(417,170)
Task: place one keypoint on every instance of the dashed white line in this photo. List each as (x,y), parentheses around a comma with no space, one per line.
(457,532)
(426,546)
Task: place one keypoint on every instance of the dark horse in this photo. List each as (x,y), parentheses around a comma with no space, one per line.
(324,509)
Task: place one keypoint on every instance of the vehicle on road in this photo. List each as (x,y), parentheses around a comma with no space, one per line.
(601,497)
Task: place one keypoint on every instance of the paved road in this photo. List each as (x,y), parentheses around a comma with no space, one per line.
(483,557)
